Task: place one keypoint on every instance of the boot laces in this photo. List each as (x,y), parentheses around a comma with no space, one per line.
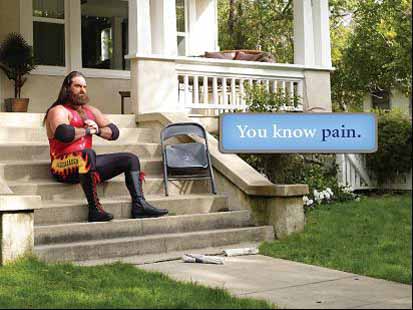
(96,180)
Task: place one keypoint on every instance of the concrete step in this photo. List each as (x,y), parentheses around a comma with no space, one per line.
(35,120)
(162,243)
(75,211)
(126,135)
(49,189)
(27,170)
(77,232)
(40,150)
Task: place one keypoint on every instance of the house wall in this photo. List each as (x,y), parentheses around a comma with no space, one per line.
(43,89)
(9,22)
(397,101)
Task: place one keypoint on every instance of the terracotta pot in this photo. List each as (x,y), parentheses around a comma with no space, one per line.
(16,104)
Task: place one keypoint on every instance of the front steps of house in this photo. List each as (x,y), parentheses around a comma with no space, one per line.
(196,220)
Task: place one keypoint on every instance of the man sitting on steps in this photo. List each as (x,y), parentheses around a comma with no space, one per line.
(70,124)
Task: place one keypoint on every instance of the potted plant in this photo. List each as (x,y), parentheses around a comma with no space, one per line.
(16,60)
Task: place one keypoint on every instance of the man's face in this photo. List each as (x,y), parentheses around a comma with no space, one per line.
(78,91)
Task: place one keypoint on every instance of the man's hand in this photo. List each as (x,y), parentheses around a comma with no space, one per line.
(94,128)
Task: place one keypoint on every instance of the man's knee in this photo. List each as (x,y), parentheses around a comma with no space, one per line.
(89,161)
(134,163)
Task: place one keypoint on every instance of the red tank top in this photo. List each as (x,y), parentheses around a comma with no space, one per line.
(58,148)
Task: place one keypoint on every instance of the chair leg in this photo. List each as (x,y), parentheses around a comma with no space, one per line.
(165,179)
(211,175)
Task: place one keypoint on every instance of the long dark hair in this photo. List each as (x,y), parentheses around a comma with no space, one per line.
(64,93)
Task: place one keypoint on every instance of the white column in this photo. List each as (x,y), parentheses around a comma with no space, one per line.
(139,27)
(26,20)
(303,32)
(163,25)
(321,25)
(116,61)
(203,25)
(74,50)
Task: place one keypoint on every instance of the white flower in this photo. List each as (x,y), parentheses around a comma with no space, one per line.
(328,189)
(305,199)
(327,195)
(357,199)
(315,192)
(310,202)
(322,195)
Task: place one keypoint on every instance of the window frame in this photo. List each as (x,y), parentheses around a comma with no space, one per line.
(73,42)
(185,34)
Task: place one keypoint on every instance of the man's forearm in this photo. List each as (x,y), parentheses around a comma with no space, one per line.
(105,133)
(79,132)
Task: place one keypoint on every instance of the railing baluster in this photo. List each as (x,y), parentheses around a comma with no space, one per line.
(300,91)
(233,92)
(205,89)
(242,92)
(267,86)
(215,90)
(196,90)
(274,86)
(186,91)
(224,91)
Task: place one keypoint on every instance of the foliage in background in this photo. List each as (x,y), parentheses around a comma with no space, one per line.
(373,52)
(371,42)
(259,99)
(261,24)
(319,171)
(394,154)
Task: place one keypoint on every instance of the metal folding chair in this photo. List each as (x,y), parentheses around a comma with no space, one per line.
(189,161)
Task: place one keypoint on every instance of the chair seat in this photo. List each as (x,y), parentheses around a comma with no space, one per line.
(186,156)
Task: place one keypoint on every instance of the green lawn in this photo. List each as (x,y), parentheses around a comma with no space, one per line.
(372,237)
(33,284)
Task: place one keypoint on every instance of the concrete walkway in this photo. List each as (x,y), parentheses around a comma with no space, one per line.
(291,285)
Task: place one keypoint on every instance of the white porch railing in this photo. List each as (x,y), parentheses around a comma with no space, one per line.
(221,86)
(354,173)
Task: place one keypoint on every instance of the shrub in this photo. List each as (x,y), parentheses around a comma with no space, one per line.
(394,153)
(259,99)
(319,171)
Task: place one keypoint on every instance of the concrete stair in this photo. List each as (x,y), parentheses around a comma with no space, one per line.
(196,220)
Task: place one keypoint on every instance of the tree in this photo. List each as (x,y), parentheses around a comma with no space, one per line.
(377,52)
(259,24)
(371,41)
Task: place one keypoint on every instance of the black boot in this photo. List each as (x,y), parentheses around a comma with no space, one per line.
(96,213)
(140,207)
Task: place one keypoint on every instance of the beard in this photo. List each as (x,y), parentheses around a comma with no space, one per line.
(78,99)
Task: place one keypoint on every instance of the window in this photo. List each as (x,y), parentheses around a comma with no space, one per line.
(49,32)
(381,100)
(181,26)
(104,34)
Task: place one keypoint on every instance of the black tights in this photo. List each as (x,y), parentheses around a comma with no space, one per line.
(66,168)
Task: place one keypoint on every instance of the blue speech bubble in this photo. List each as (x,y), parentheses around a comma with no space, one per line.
(298,133)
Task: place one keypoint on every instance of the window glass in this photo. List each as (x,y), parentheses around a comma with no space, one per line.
(49,32)
(49,8)
(180,16)
(49,43)
(181,46)
(381,100)
(105,34)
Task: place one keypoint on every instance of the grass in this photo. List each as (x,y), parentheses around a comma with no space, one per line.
(372,237)
(29,283)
